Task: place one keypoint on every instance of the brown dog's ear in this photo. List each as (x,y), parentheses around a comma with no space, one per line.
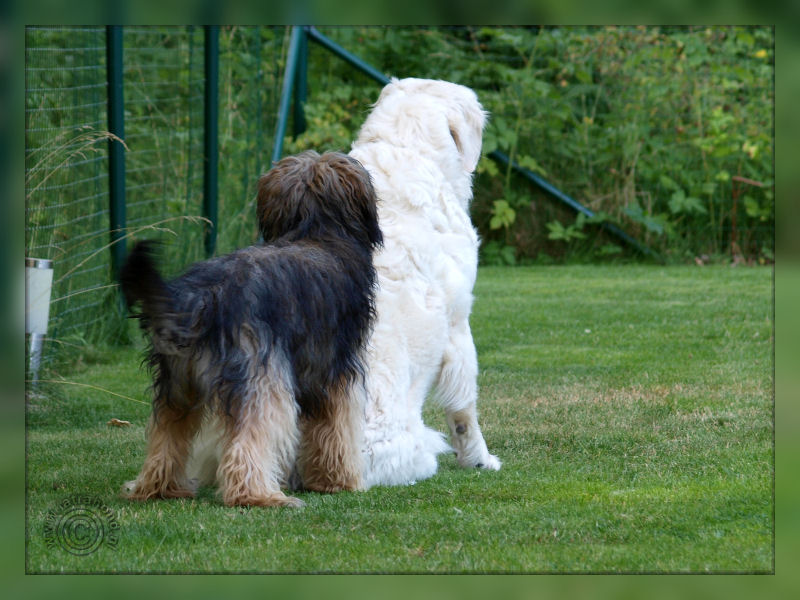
(345,189)
(358,185)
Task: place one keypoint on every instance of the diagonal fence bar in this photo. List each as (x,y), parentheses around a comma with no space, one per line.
(495,155)
(501,157)
(348,57)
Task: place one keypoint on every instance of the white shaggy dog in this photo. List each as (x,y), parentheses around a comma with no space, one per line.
(421,144)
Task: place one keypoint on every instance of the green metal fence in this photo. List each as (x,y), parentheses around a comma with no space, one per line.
(117,148)
(67,209)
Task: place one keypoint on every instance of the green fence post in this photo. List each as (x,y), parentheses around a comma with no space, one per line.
(211,138)
(286,92)
(301,84)
(116,149)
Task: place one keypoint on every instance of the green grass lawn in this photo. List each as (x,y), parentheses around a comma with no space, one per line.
(632,407)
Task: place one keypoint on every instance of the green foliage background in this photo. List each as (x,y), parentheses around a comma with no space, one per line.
(646,126)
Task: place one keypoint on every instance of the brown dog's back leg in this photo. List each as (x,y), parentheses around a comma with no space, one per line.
(330,459)
(169,438)
(260,444)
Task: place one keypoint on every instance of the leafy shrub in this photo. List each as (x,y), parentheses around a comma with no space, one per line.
(650,127)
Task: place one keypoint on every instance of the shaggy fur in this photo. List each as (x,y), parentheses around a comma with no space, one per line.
(263,347)
(420,144)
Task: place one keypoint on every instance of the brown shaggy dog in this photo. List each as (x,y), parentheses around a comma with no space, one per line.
(266,343)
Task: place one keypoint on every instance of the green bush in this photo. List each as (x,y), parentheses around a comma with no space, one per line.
(655,129)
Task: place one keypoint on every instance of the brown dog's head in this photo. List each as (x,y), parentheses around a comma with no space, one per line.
(318,196)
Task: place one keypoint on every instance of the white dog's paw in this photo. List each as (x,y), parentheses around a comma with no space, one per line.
(479,460)
(492,463)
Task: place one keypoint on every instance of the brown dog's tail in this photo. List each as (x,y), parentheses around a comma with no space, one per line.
(141,281)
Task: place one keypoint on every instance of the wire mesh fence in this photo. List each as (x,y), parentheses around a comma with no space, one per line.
(67,173)
(163,83)
(252,61)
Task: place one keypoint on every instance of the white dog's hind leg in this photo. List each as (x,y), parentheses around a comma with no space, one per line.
(467,440)
(402,458)
(398,448)
(457,391)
